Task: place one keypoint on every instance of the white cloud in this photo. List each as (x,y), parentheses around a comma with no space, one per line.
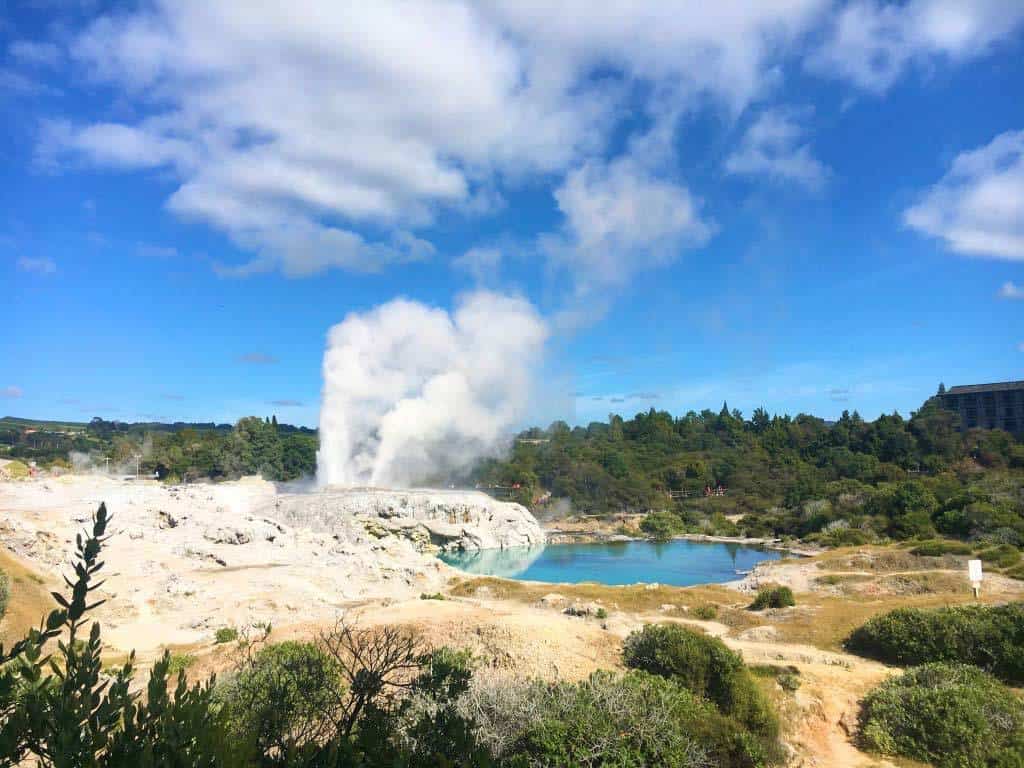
(291,128)
(11,392)
(37,54)
(1011,290)
(772,147)
(977,208)
(481,263)
(40,266)
(619,219)
(871,43)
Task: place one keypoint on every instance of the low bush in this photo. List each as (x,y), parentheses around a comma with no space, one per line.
(432,596)
(610,719)
(661,526)
(990,637)
(1003,556)
(225,635)
(5,593)
(706,612)
(704,665)
(601,613)
(949,715)
(773,597)
(787,677)
(179,662)
(939,548)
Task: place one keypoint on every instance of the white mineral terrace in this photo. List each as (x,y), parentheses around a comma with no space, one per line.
(185,560)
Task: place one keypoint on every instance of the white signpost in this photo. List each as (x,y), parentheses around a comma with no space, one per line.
(974,574)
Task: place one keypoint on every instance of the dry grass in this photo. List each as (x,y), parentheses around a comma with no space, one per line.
(632,598)
(30,598)
(885,559)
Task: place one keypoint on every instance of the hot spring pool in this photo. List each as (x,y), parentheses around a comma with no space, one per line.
(680,562)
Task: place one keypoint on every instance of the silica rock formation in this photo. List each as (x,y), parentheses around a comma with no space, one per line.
(433,520)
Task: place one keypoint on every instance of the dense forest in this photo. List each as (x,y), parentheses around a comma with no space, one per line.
(173,452)
(845,482)
(850,481)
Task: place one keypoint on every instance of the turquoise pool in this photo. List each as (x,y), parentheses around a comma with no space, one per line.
(681,562)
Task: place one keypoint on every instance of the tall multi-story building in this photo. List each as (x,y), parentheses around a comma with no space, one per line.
(988,406)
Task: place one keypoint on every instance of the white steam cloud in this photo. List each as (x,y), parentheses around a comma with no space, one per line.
(412,392)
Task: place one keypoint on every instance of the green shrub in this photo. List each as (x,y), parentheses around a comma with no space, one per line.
(5,593)
(949,715)
(179,662)
(225,635)
(988,637)
(636,719)
(706,612)
(288,688)
(773,597)
(432,596)
(1003,556)
(704,665)
(661,526)
(939,548)
(601,613)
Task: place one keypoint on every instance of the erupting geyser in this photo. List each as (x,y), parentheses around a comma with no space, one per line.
(412,392)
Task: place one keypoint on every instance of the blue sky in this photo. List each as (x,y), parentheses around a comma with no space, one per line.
(807,205)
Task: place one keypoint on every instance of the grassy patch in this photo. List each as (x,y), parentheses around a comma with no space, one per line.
(28,599)
(179,663)
(225,635)
(432,596)
(886,559)
(773,597)
(705,612)
(636,598)
(925,584)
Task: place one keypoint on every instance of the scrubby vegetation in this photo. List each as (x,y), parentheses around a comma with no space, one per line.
(849,483)
(369,698)
(705,612)
(706,667)
(949,715)
(225,635)
(5,593)
(990,637)
(773,597)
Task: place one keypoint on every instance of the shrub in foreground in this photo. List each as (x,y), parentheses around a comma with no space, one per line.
(949,715)
(610,719)
(773,597)
(990,637)
(705,666)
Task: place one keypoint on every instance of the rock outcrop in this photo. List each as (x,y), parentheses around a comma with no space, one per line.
(434,520)
(185,560)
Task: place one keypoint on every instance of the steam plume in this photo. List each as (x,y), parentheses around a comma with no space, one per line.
(411,392)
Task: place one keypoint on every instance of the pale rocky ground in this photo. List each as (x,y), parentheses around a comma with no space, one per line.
(186,560)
